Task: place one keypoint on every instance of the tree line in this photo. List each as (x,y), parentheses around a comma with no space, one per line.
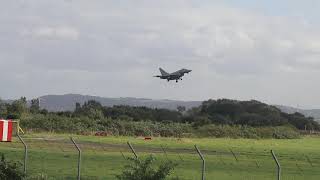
(218,118)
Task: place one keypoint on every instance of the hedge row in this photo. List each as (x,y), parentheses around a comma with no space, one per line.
(106,126)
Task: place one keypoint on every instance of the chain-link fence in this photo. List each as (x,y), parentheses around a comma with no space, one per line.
(59,158)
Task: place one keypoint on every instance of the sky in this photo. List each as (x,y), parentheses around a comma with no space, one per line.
(248,49)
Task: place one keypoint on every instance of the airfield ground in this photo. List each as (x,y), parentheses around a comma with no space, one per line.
(54,156)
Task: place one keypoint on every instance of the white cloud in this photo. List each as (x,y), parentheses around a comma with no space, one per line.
(123,42)
(53,33)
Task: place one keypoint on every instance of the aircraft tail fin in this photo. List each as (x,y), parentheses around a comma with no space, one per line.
(163,72)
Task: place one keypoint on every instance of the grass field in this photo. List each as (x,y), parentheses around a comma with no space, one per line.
(55,156)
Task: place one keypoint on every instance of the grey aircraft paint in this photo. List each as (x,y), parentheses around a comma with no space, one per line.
(173,76)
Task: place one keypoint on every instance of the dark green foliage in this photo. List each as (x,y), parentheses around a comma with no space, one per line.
(214,118)
(10,170)
(250,113)
(181,109)
(17,108)
(199,121)
(146,169)
(53,122)
(284,132)
(35,106)
(280,132)
(142,113)
(58,123)
(40,176)
(299,121)
(91,109)
(3,109)
(83,125)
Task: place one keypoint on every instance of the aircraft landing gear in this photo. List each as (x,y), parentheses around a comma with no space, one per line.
(176,81)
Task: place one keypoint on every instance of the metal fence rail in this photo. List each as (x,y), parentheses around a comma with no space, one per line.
(25,154)
(237,163)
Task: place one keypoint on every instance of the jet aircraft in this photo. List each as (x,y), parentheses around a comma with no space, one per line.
(173,76)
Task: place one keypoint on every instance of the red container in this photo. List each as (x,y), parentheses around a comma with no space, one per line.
(5,130)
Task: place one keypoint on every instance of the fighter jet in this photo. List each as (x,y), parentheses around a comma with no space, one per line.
(172,76)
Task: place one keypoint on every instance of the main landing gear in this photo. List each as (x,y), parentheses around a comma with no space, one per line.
(178,80)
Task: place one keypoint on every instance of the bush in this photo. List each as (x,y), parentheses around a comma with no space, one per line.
(10,170)
(284,132)
(85,125)
(218,131)
(146,170)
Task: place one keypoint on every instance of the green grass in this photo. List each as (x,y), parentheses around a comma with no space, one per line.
(57,158)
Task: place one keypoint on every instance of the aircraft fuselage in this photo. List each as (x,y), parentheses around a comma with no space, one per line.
(173,76)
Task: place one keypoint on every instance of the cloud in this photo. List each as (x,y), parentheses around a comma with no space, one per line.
(53,33)
(119,44)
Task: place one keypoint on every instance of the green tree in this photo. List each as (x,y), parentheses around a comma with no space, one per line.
(181,109)
(78,108)
(18,108)
(3,109)
(91,109)
(35,106)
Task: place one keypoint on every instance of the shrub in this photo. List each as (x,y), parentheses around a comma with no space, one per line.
(285,132)
(85,125)
(146,170)
(280,132)
(10,170)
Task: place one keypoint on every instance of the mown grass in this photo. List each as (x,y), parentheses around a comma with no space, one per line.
(56,157)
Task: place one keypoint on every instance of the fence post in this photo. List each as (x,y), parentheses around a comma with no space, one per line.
(133,151)
(25,154)
(301,171)
(79,157)
(278,164)
(180,156)
(203,162)
(309,160)
(234,155)
(165,153)
(123,155)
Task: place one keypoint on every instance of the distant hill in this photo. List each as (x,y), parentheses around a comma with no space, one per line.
(315,113)
(67,102)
